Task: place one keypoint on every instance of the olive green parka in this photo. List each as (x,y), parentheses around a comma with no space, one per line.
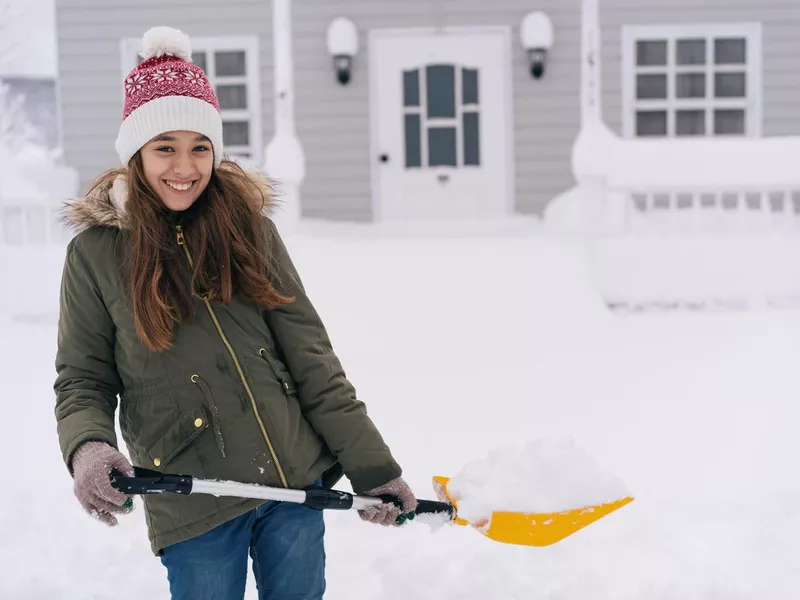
(244,394)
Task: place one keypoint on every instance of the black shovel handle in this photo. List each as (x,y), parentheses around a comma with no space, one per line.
(424,507)
(432,507)
(146,481)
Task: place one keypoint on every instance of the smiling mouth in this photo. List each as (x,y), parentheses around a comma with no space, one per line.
(180,187)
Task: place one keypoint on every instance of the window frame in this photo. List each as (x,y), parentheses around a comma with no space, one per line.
(129,52)
(751,103)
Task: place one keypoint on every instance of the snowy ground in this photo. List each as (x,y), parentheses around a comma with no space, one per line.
(458,346)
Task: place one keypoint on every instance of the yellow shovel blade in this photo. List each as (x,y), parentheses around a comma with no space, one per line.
(531,529)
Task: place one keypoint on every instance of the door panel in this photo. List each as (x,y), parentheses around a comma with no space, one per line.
(441,131)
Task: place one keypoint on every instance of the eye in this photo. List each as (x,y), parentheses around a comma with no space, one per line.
(165,149)
(202,149)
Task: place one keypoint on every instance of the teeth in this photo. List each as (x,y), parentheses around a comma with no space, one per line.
(181,187)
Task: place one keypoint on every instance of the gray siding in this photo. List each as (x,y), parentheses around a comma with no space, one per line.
(333,120)
(780,22)
(89,63)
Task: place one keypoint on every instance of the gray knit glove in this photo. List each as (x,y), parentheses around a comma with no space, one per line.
(91,467)
(387,514)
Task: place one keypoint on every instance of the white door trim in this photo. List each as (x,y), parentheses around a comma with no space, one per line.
(373,66)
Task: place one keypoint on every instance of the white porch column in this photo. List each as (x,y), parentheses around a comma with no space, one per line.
(595,142)
(284,158)
(590,62)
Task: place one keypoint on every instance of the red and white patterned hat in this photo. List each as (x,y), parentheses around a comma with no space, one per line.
(166,92)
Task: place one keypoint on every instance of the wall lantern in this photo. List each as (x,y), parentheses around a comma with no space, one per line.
(536,35)
(342,46)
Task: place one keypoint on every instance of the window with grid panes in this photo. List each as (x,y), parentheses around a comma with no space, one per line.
(231,65)
(441,116)
(699,80)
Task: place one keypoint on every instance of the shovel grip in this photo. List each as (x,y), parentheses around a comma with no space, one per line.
(146,481)
(432,507)
(425,507)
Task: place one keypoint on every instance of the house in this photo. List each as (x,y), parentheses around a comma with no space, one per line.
(425,109)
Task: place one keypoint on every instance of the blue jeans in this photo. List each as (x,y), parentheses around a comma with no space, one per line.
(285,541)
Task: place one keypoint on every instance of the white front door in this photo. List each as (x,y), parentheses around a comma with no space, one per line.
(441,124)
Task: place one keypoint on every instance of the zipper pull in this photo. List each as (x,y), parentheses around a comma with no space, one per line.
(181,240)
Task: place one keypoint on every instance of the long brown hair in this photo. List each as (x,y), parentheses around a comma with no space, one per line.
(229,239)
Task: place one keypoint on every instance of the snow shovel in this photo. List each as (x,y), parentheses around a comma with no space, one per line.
(530,529)
(525,529)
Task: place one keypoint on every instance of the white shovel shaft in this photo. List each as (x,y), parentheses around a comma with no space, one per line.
(250,490)
(246,490)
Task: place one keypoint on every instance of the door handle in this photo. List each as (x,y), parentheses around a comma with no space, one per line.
(443,178)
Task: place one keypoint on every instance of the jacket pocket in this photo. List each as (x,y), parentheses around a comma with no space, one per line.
(182,433)
(281,372)
(198,381)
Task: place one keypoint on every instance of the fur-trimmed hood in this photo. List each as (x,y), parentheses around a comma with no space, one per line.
(106,206)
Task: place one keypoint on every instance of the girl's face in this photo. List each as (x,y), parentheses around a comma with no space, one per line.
(178,166)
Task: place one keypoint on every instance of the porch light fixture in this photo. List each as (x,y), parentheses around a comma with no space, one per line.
(342,46)
(536,35)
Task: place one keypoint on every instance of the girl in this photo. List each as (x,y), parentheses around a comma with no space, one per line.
(179,297)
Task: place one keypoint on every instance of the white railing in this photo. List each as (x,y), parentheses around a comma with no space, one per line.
(31,222)
(683,224)
(684,184)
(31,195)
(713,209)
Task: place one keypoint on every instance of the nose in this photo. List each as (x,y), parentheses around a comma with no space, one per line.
(183,166)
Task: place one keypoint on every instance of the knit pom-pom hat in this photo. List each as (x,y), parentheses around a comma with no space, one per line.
(167,92)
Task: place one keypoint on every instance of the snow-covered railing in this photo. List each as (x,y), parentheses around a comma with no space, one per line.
(31,221)
(714,208)
(682,184)
(32,189)
(689,224)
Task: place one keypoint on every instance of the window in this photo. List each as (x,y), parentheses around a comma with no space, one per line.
(231,64)
(691,80)
(441,116)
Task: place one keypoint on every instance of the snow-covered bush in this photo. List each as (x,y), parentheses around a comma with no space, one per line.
(32,181)
(16,131)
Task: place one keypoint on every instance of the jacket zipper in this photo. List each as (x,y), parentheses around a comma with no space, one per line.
(196,379)
(212,314)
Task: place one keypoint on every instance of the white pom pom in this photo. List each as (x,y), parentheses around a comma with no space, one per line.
(159,41)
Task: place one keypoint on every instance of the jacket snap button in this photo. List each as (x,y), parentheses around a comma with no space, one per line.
(157,461)
(198,422)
